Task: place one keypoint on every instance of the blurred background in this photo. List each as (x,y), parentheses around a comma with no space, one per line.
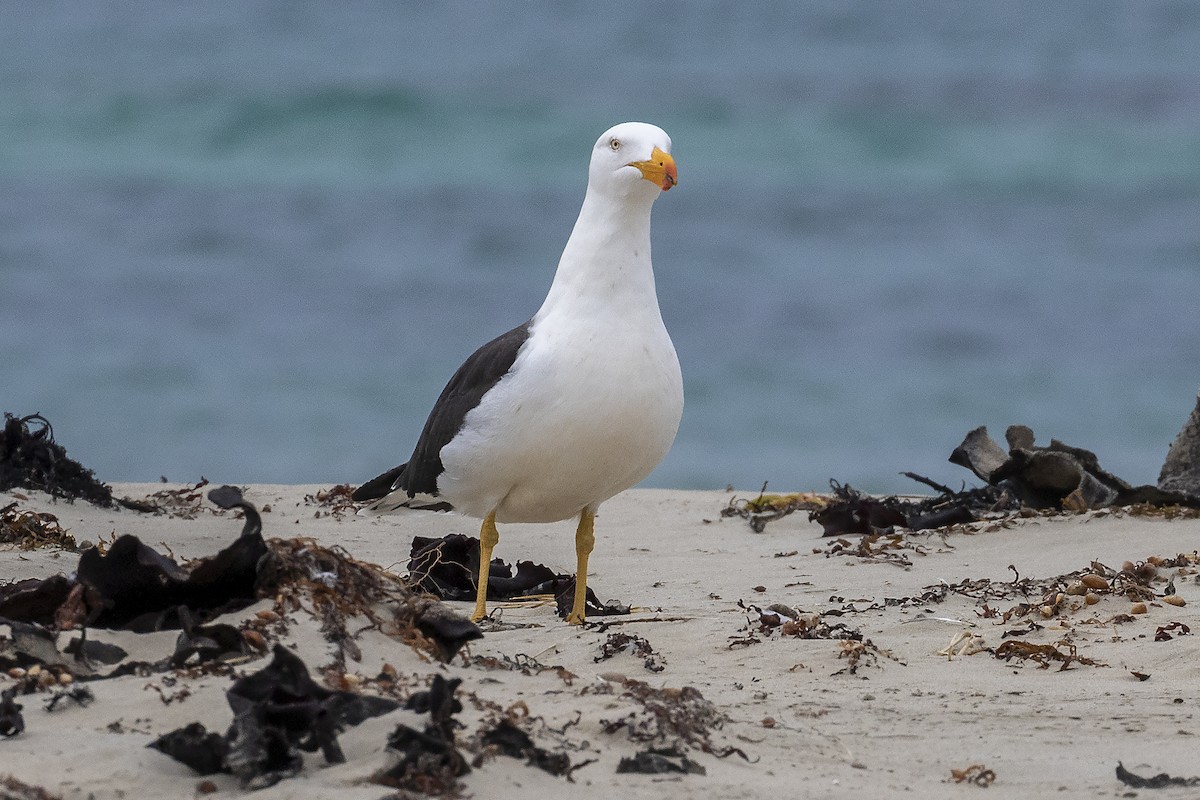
(252,240)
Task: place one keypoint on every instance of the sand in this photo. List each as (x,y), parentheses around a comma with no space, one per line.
(899,723)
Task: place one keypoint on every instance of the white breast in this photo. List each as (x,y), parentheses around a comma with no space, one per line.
(591,406)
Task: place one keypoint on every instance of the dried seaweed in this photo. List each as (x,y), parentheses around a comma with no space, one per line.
(526,665)
(769,507)
(185,502)
(635,645)
(336,501)
(1159,781)
(13,789)
(672,718)
(852,512)
(31,459)
(278,711)
(30,530)
(976,774)
(1062,651)
(428,761)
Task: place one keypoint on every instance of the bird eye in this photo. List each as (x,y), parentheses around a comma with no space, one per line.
(615,144)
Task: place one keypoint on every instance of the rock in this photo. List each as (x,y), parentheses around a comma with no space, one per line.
(1181,471)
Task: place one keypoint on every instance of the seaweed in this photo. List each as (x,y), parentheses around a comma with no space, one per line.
(11,721)
(13,789)
(634,644)
(447,567)
(1044,654)
(30,530)
(670,717)
(1056,476)
(976,774)
(278,711)
(427,761)
(31,459)
(659,761)
(1159,781)
(769,507)
(853,512)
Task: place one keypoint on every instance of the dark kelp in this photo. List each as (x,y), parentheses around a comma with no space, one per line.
(1026,476)
(31,459)
(1159,781)
(447,567)
(427,761)
(11,721)
(277,712)
(1057,476)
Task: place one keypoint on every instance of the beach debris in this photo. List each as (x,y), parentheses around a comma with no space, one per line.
(427,761)
(13,789)
(447,567)
(1061,651)
(670,718)
(31,530)
(850,511)
(1025,477)
(964,643)
(505,737)
(1159,781)
(31,459)
(183,502)
(336,502)
(28,646)
(133,587)
(1165,633)
(769,507)
(278,711)
(659,761)
(636,646)
(1057,476)
(1181,470)
(526,665)
(130,586)
(81,696)
(784,622)
(11,721)
(976,774)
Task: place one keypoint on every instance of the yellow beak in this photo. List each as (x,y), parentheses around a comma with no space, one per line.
(659,170)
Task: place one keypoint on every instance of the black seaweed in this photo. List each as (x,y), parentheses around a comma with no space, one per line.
(31,459)
(278,711)
(446,568)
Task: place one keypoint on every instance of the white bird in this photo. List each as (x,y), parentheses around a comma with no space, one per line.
(547,421)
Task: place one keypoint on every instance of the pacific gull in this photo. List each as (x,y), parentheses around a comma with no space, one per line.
(547,421)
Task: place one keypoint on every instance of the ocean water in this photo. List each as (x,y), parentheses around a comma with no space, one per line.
(252,240)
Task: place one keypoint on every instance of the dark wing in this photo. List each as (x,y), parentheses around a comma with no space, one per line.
(380,486)
(474,378)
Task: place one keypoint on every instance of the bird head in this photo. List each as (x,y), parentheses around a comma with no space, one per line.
(633,158)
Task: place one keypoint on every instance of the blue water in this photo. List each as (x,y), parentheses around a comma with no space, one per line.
(252,240)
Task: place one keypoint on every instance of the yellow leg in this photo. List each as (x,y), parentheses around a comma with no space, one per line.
(585,540)
(488,537)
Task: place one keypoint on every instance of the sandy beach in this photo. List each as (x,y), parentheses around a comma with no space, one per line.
(928,683)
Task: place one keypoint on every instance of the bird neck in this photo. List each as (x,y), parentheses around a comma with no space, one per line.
(607,259)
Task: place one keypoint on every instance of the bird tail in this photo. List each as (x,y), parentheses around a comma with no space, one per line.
(386,495)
